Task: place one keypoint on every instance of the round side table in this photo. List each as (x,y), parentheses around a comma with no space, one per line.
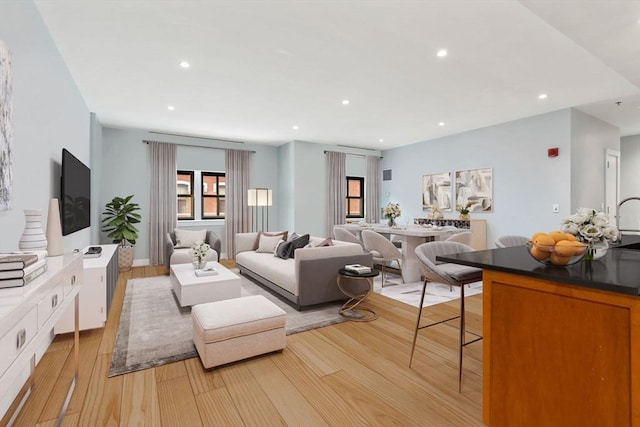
(356,297)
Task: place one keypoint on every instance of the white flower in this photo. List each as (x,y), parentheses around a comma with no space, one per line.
(200,250)
(391,211)
(589,225)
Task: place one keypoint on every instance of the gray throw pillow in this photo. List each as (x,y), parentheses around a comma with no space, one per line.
(298,243)
(283,250)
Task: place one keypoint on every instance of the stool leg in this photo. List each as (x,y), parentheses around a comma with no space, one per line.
(415,334)
(462,336)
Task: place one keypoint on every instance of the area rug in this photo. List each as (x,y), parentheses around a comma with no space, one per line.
(154,330)
(409,293)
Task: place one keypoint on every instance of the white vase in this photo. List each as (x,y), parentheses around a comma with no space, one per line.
(33,237)
(54,230)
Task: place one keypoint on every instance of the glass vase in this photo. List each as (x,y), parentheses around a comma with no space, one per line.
(596,250)
(199,264)
(392,221)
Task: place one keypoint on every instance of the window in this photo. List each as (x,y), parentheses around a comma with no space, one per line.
(355,197)
(213,191)
(184,190)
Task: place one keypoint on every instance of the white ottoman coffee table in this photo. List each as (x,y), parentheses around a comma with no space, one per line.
(191,289)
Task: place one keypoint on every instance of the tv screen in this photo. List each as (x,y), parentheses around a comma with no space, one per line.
(75,194)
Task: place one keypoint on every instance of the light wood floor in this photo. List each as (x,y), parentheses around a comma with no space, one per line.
(347,374)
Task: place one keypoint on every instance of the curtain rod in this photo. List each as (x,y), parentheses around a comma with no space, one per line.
(349,154)
(194,145)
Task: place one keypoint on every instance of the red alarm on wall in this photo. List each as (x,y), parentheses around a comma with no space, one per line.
(552,152)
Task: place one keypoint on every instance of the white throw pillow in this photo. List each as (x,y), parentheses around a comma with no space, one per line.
(268,243)
(186,238)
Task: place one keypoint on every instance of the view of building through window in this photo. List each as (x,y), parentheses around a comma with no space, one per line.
(206,201)
(355,197)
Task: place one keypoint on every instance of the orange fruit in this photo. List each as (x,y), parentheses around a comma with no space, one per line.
(558,260)
(533,237)
(565,248)
(571,237)
(578,247)
(544,242)
(558,235)
(538,254)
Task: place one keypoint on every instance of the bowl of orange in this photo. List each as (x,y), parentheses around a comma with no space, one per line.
(556,248)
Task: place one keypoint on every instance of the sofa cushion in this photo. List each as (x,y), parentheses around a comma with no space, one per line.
(325,242)
(186,238)
(282,234)
(298,243)
(267,244)
(282,249)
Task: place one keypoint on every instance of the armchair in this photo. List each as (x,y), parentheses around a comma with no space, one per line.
(173,255)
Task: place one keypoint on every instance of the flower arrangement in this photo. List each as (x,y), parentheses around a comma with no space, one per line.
(391,212)
(590,226)
(199,251)
(464,210)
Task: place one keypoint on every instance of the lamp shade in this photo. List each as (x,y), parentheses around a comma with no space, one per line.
(260,197)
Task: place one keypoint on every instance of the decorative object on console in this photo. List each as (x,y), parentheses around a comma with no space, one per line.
(391,212)
(33,237)
(436,191)
(54,230)
(119,216)
(591,227)
(200,251)
(475,188)
(260,197)
(464,212)
(6,129)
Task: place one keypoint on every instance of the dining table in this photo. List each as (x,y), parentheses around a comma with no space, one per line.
(412,235)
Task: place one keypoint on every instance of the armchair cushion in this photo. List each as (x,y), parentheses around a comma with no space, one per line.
(186,238)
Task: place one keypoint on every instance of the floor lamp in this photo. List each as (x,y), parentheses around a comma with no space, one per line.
(260,197)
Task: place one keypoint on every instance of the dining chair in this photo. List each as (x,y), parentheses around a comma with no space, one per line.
(511,240)
(345,235)
(449,274)
(383,251)
(462,237)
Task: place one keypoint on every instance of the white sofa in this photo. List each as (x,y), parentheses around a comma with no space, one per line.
(307,279)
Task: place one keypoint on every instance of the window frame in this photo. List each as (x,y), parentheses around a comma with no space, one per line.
(203,196)
(191,195)
(360,197)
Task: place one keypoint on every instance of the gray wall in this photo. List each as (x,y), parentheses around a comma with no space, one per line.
(526,183)
(630,181)
(590,139)
(49,114)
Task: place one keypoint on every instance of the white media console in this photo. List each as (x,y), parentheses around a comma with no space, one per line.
(99,283)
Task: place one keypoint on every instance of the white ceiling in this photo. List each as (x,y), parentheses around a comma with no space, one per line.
(260,67)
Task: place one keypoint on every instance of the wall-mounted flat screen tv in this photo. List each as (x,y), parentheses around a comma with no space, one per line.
(75,194)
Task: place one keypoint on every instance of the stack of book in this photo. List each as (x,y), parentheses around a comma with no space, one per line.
(18,269)
(357,268)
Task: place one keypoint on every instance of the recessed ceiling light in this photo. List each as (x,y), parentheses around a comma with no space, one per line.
(295,127)
(440,123)
(381,140)
(171,108)
(185,64)
(542,96)
(442,53)
(345,102)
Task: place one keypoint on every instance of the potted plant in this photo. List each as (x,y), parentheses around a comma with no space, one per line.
(119,216)
(464,211)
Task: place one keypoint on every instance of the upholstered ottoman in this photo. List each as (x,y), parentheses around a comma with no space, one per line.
(235,329)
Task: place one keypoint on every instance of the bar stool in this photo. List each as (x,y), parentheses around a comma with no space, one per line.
(449,274)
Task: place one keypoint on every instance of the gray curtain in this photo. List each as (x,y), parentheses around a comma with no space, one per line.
(336,189)
(372,186)
(163,210)
(238,214)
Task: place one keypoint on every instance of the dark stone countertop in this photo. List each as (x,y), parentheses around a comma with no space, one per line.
(618,271)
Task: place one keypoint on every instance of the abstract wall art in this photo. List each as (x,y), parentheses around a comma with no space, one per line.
(436,191)
(474,189)
(6,130)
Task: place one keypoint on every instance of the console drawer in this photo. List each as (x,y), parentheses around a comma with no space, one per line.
(50,303)
(14,341)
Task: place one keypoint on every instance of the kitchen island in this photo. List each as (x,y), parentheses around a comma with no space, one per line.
(561,344)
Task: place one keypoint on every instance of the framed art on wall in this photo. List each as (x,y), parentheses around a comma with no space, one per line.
(474,189)
(6,130)
(436,191)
